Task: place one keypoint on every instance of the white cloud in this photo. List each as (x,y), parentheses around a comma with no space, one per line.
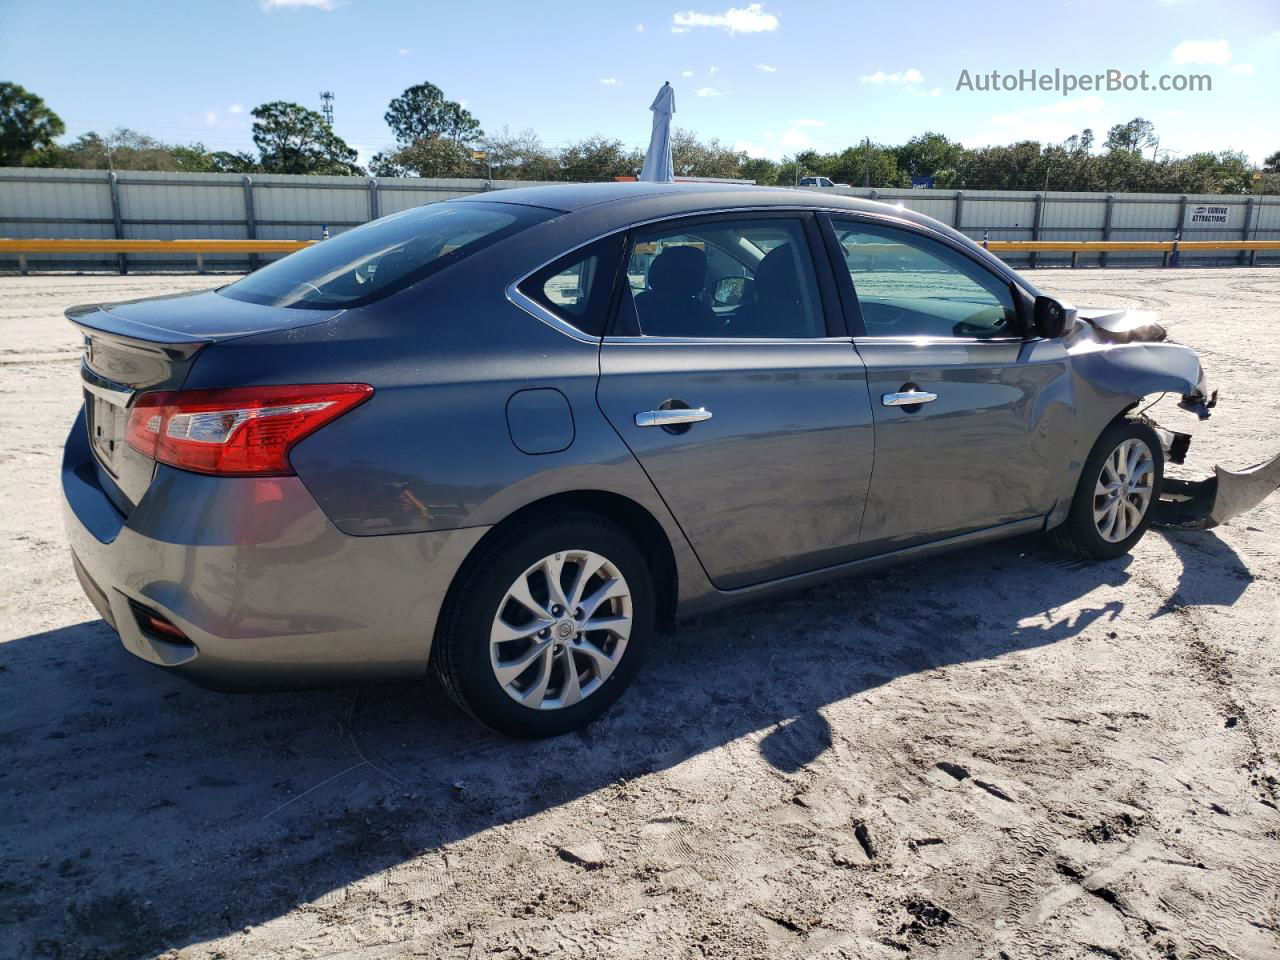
(686,73)
(639,28)
(297,4)
(1048,124)
(235,108)
(712,71)
(210,117)
(880,78)
(1202,51)
(1244,69)
(404,51)
(935,92)
(748,19)
(792,140)
(710,92)
(766,68)
(1059,108)
(609,81)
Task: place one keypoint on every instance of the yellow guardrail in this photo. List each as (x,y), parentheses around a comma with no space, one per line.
(201,248)
(1126,246)
(18,245)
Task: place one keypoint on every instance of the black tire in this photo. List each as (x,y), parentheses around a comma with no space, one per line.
(1079,534)
(462,646)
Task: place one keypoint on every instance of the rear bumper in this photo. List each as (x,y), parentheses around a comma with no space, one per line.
(268,591)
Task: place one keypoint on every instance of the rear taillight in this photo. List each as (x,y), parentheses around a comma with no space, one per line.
(242,431)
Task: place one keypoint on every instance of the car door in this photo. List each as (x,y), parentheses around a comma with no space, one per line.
(963,405)
(729,375)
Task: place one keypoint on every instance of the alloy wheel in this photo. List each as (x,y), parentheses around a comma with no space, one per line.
(561,630)
(1123,490)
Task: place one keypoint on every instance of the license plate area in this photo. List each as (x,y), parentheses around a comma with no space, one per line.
(106,431)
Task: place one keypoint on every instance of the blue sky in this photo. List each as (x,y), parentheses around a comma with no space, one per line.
(772,77)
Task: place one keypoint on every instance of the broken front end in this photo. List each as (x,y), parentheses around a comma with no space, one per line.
(1117,349)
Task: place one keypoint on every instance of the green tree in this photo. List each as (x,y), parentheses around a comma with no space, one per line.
(422,112)
(427,157)
(26,124)
(760,169)
(123,149)
(690,157)
(598,158)
(925,155)
(518,156)
(866,165)
(226,161)
(293,139)
(1131,137)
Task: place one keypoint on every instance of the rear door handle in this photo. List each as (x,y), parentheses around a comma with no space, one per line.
(673,417)
(907,398)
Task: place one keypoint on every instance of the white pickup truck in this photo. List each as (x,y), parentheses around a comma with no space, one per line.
(819,182)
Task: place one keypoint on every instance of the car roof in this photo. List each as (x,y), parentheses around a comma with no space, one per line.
(688,197)
(597,208)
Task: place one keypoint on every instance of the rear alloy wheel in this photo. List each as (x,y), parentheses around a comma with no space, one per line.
(1119,486)
(547,625)
(561,630)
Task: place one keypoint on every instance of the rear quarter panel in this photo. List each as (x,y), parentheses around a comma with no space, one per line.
(431,450)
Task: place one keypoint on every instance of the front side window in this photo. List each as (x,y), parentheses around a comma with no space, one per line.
(378,258)
(912,286)
(731,277)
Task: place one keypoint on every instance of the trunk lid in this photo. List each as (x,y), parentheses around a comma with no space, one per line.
(144,346)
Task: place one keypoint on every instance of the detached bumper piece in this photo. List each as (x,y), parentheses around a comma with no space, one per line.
(1202,504)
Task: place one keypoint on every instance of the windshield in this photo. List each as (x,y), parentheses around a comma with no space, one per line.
(378,258)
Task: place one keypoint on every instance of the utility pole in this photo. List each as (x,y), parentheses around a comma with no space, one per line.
(326,106)
(866,162)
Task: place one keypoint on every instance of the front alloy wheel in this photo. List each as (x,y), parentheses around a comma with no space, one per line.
(1116,494)
(1123,491)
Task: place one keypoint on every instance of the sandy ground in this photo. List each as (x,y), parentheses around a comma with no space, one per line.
(1001,753)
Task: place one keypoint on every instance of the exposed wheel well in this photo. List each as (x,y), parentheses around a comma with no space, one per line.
(638,522)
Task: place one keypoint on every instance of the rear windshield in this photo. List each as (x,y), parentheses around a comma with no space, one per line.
(378,258)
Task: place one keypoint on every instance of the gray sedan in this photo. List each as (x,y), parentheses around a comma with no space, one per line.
(510,435)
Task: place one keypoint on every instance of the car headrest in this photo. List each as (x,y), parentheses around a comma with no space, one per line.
(776,277)
(678,272)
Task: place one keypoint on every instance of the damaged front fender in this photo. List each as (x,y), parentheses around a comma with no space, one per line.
(1127,353)
(1202,504)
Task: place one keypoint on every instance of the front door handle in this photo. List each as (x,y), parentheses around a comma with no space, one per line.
(672,417)
(907,398)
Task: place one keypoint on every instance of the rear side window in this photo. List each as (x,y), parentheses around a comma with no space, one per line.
(378,258)
(577,287)
(722,277)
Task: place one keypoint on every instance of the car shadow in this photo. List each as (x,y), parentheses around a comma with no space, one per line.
(1211,572)
(143,814)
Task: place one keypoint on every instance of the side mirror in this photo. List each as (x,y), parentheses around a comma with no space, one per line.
(730,291)
(1052,318)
